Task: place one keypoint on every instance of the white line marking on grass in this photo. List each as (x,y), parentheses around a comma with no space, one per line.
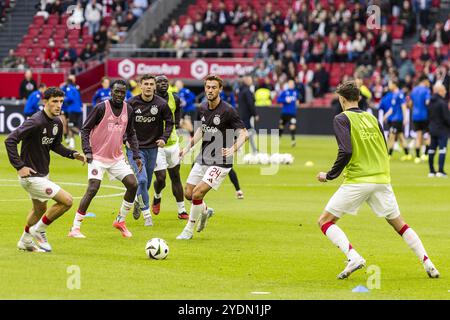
(260,292)
(318,185)
(64,183)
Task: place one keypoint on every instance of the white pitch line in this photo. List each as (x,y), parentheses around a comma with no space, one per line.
(63,183)
(260,292)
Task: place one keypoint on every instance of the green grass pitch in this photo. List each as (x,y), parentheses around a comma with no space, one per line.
(269,242)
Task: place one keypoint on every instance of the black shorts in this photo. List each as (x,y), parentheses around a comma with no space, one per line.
(420,126)
(288,119)
(75,120)
(395,127)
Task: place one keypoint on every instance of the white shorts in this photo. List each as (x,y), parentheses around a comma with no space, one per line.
(211,175)
(350,197)
(117,170)
(40,188)
(168,157)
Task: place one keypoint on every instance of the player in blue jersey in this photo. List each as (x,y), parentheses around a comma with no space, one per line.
(33,101)
(289,99)
(73,109)
(420,98)
(397,119)
(102,94)
(188,108)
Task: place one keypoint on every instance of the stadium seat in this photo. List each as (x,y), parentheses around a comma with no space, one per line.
(53,20)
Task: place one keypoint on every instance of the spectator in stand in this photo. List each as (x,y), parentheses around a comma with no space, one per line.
(101,38)
(422,10)
(358,47)
(93,14)
(188,29)
(51,55)
(384,42)
(209,18)
(224,43)
(209,42)
(425,56)
(34,101)
(223,17)
(198,24)
(10,61)
(405,65)
(113,32)
(129,22)
(407,18)
(88,52)
(344,50)
(423,35)
(440,56)
(438,37)
(320,82)
(119,14)
(318,49)
(77,17)
(67,53)
(27,86)
(447,26)
(174,29)
(139,7)
(56,8)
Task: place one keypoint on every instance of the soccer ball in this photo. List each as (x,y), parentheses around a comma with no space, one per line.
(275,158)
(263,158)
(288,158)
(157,248)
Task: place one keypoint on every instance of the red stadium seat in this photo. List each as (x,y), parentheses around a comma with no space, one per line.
(38,20)
(398,32)
(53,20)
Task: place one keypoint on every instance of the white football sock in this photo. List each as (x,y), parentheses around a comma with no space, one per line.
(413,241)
(78,220)
(124,210)
(196,210)
(340,240)
(146,213)
(181,207)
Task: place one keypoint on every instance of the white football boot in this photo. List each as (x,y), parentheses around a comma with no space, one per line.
(41,239)
(352,266)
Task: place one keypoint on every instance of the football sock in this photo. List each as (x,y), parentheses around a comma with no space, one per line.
(196,209)
(79,217)
(234,179)
(426,149)
(339,239)
(181,207)
(27,229)
(146,213)
(293,135)
(280,132)
(406,151)
(158,195)
(43,223)
(413,241)
(431,153)
(124,210)
(418,152)
(442,154)
(390,151)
